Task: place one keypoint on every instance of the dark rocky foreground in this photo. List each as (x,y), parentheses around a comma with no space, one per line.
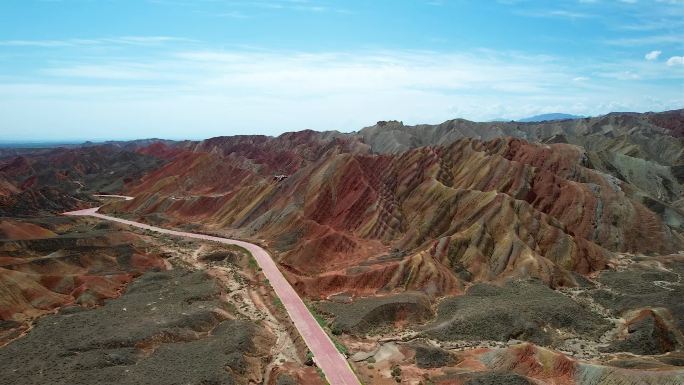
(168,328)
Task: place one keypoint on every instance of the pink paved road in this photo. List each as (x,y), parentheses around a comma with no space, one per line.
(326,355)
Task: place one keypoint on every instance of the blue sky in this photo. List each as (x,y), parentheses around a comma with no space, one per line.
(121,69)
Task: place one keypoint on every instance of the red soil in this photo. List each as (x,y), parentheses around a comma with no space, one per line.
(15,230)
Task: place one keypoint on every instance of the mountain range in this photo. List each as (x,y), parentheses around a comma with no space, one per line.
(549,117)
(399,227)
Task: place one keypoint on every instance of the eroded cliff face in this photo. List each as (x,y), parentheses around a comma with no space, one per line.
(343,217)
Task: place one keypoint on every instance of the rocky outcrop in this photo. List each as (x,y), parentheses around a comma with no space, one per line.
(648,333)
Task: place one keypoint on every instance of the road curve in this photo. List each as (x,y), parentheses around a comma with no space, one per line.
(335,367)
(124,197)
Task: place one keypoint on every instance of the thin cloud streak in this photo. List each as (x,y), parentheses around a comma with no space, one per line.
(122,40)
(556,13)
(240,7)
(647,40)
(243,74)
(225,92)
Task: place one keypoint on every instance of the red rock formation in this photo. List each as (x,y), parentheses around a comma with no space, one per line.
(15,230)
(431,218)
(32,284)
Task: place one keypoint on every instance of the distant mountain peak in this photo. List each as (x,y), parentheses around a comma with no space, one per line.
(551,116)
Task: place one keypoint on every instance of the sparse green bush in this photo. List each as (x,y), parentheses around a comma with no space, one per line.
(340,347)
(278,303)
(253,264)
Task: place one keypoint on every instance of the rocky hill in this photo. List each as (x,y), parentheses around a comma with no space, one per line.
(564,234)
(54,180)
(433,207)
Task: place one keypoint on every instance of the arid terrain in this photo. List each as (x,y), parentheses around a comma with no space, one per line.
(90,302)
(461,253)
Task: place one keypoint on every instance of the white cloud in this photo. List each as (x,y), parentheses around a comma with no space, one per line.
(675,61)
(623,75)
(641,70)
(556,13)
(122,40)
(214,92)
(648,40)
(116,71)
(46,43)
(263,5)
(233,15)
(653,55)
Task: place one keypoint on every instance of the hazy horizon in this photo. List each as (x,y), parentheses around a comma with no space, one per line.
(19,143)
(114,70)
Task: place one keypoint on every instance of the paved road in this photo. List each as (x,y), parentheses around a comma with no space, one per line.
(326,355)
(124,197)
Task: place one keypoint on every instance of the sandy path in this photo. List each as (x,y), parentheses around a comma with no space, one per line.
(326,355)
